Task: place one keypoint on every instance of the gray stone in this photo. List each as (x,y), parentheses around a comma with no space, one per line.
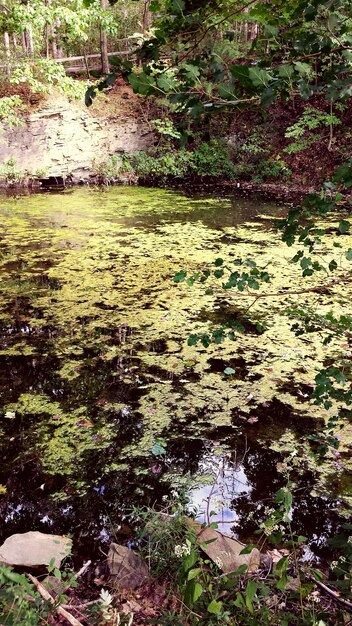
(127,568)
(225,552)
(34,548)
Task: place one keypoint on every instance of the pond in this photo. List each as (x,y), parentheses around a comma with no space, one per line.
(104,405)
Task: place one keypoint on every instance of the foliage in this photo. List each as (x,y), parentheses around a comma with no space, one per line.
(308,43)
(240,274)
(45,74)
(107,169)
(283,595)
(207,159)
(10,174)
(10,109)
(19,602)
(311,119)
(166,128)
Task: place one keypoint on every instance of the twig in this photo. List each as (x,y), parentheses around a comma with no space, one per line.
(83,605)
(83,569)
(280,294)
(187,607)
(47,596)
(345,603)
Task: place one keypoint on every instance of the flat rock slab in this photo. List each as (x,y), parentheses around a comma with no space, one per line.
(225,552)
(128,569)
(33,549)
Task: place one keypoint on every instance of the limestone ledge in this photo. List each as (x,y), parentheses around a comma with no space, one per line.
(64,139)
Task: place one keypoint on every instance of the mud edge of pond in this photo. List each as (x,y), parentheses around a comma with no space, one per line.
(290,194)
(271,191)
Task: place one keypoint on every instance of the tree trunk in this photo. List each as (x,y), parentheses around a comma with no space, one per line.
(14,43)
(60,52)
(53,41)
(29,37)
(146,16)
(24,42)
(104,44)
(7,52)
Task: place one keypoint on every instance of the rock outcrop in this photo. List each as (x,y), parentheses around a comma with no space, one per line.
(33,549)
(128,570)
(65,139)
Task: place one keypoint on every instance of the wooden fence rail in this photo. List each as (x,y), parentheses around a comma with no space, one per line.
(86,66)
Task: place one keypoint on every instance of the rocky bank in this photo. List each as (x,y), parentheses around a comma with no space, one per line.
(63,139)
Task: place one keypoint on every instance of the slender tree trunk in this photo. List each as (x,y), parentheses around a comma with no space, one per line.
(24,42)
(7,52)
(60,52)
(30,46)
(53,41)
(51,38)
(105,68)
(146,16)
(254,32)
(14,43)
(86,63)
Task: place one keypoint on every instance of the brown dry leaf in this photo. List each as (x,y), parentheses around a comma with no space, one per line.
(131,606)
(275,554)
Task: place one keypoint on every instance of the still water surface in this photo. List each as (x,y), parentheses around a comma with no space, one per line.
(103,405)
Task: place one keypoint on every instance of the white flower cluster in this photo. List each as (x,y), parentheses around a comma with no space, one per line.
(183,550)
(218,562)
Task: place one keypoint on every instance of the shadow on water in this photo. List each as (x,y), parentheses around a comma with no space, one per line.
(95,367)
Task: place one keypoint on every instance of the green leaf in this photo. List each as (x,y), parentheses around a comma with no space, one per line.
(89,96)
(268,97)
(159,447)
(193,573)
(142,83)
(259,77)
(305,89)
(191,71)
(248,549)
(166,82)
(197,592)
(344,227)
(214,607)
(332,265)
(250,592)
(57,573)
(304,69)
(344,174)
(348,254)
(180,276)
(241,73)
(286,71)
(226,91)
(271,31)
(192,340)
(218,262)
(178,6)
